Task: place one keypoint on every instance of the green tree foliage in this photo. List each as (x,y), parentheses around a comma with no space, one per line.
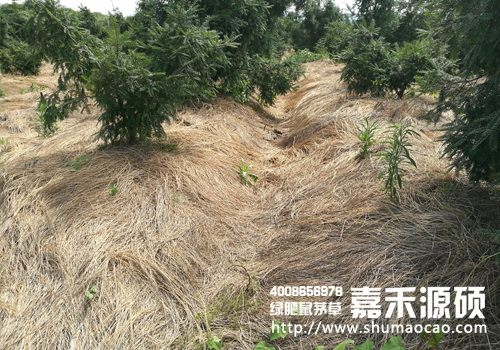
(399,20)
(254,63)
(94,22)
(307,25)
(138,92)
(55,31)
(182,36)
(411,19)
(405,62)
(379,68)
(470,87)
(381,13)
(338,36)
(139,83)
(365,59)
(16,56)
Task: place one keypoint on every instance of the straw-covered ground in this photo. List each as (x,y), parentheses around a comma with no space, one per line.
(185,250)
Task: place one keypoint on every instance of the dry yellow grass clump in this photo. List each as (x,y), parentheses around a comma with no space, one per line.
(185,250)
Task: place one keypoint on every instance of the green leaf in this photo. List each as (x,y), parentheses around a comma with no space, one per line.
(342,345)
(215,343)
(319,348)
(367,345)
(279,333)
(254,177)
(438,336)
(394,344)
(262,346)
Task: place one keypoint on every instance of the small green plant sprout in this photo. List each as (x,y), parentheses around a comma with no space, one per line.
(343,345)
(80,162)
(34,88)
(113,188)
(395,156)
(433,338)
(92,293)
(21,91)
(214,343)
(243,171)
(263,346)
(175,196)
(367,137)
(4,146)
(169,147)
(278,330)
(367,345)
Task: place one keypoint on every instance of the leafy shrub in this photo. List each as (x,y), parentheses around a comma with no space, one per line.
(187,52)
(338,37)
(135,101)
(395,157)
(365,60)
(405,63)
(18,57)
(374,66)
(273,77)
(139,85)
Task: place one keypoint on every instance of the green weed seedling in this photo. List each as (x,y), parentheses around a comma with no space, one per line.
(34,88)
(214,343)
(175,196)
(395,156)
(79,163)
(4,146)
(243,172)
(433,338)
(263,346)
(92,293)
(21,91)
(113,188)
(277,331)
(395,343)
(169,147)
(367,137)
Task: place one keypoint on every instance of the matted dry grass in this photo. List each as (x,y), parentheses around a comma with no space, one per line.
(164,253)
